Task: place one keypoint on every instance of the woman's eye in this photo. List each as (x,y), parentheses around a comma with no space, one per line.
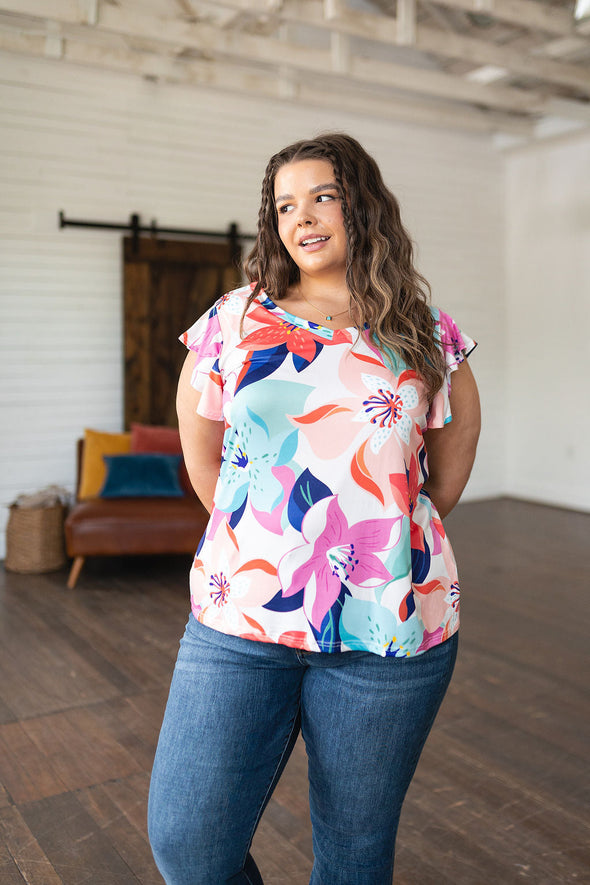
(323,197)
(286,207)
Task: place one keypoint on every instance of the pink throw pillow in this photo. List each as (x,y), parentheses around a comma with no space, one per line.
(162,440)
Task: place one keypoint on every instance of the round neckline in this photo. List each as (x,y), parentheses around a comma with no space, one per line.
(310,325)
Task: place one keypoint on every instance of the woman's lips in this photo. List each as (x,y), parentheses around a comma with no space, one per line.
(312,244)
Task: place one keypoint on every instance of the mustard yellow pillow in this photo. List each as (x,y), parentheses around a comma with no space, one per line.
(93,469)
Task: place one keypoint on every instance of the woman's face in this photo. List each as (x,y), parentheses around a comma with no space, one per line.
(309,214)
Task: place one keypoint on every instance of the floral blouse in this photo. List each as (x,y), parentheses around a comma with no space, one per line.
(321,537)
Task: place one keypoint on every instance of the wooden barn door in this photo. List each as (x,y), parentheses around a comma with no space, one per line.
(168,284)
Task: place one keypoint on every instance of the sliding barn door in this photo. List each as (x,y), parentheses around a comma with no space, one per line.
(168,284)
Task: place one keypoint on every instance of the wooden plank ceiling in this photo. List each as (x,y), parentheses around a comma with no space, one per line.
(515,67)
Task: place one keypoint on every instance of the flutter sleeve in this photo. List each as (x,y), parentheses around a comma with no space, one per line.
(205,338)
(456,346)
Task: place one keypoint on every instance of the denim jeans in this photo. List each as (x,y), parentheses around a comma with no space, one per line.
(233,715)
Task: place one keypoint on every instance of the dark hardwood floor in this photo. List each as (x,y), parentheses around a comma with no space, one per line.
(501,794)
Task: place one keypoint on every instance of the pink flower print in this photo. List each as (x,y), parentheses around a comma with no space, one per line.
(387,410)
(430,639)
(381,407)
(328,428)
(451,339)
(335,553)
(204,338)
(431,603)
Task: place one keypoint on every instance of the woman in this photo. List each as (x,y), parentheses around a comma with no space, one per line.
(324,592)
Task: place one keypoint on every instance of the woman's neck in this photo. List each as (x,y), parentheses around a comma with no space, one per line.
(325,302)
(331,289)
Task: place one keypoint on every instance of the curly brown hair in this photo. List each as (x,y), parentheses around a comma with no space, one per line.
(387,294)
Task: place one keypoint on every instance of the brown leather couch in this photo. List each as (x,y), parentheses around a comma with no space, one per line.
(118,526)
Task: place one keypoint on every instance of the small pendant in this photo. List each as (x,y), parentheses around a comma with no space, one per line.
(328,317)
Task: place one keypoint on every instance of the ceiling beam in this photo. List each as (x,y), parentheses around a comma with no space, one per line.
(456,46)
(72,11)
(246,80)
(562,46)
(247,48)
(383,29)
(348,81)
(443,85)
(480,52)
(529,14)
(526,13)
(406,22)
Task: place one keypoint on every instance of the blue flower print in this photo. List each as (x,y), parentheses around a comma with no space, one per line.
(369,626)
(247,466)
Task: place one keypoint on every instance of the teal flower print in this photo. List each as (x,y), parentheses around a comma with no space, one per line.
(369,626)
(247,467)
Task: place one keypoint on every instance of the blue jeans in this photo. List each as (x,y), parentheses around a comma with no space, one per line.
(233,715)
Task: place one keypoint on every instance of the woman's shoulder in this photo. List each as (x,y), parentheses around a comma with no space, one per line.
(441,318)
(455,343)
(232,303)
(222,320)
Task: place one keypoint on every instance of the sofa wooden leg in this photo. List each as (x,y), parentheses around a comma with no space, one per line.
(75,571)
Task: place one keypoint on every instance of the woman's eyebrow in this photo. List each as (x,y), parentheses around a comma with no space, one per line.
(324,187)
(282,197)
(314,190)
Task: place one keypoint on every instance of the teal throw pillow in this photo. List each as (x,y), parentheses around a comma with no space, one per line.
(142,475)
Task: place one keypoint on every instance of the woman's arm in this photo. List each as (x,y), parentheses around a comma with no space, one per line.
(451,449)
(201,438)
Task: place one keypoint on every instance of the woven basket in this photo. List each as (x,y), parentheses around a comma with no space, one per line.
(35,539)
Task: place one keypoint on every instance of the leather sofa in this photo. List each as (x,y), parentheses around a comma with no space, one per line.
(124,526)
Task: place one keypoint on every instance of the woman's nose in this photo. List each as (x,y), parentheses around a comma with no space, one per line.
(304,216)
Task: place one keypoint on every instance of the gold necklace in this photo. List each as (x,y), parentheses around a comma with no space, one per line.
(328,316)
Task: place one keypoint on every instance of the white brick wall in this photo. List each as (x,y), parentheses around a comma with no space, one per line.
(102,145)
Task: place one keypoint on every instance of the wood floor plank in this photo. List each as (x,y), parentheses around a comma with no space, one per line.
(134,723)
(78,850)
(28,858)
(506,799)
(291,827)
(52,674)
(128,654)
(9,872)
(79,748)
(130,796)
(537,763)
(516,828)
(278,860)
(7,714)
(116,826)
(406,864)
(5,798)
(288,810)
(292,789)
(25,773)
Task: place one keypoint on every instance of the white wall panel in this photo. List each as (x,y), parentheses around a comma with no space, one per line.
(548,254)
(101,145)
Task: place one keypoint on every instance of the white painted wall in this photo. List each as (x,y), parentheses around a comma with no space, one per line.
(548,320)
(101,145)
